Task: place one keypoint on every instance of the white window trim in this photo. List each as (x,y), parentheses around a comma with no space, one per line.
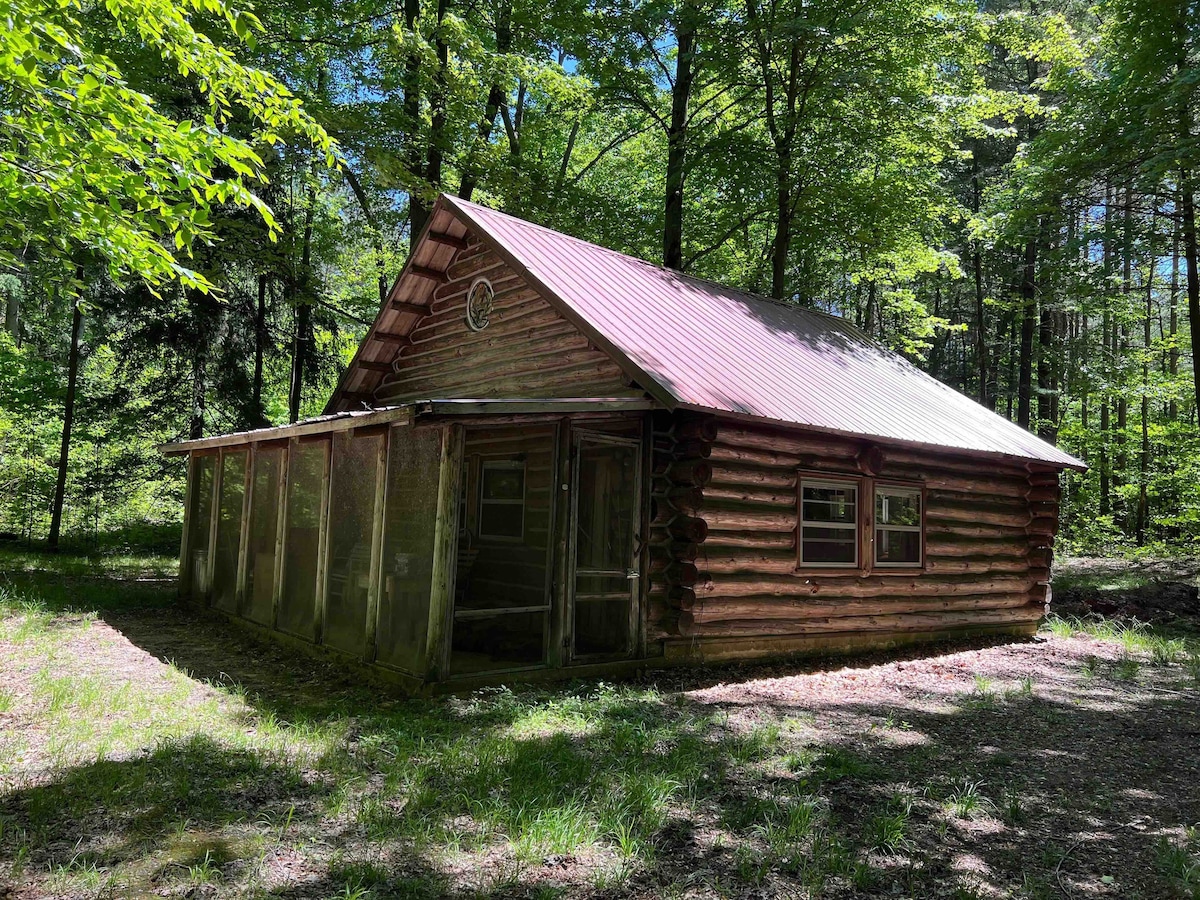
(855,527)
(917,529)
(501,465)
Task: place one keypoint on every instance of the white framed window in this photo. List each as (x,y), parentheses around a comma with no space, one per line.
(502,499)
(828,524)
(899,513)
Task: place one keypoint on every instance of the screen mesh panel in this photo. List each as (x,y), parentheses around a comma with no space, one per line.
(502,596)
(229,530)
(352,509)
(194,567)
(298,601)
(264,521)
(410,521)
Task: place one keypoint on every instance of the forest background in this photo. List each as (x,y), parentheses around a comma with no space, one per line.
(201,207)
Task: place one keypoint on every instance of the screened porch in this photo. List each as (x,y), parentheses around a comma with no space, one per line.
(427,540)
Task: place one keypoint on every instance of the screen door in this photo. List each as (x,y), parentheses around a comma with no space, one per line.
(605,517)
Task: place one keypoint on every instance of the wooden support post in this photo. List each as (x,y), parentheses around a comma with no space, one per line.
(214,516)
(374,586)
(183,586)
(285,489)
(560,529)
(445,554)
(239,591)
(323,547)
(643,537)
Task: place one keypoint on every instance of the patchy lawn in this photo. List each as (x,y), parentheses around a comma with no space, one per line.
(146,751)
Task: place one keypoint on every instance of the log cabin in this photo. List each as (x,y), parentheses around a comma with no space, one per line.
(550,459)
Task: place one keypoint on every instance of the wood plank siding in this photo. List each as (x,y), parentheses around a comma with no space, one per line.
(528,349)
(725,529)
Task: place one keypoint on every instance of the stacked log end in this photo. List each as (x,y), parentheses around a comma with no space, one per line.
(725,530)
(1043,498)
(680,473)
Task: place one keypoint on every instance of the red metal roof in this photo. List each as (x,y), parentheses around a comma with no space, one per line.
(694,343)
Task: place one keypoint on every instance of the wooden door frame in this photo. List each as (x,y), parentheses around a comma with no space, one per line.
(636,443)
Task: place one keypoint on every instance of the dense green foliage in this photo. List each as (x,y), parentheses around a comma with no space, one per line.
(1000,191)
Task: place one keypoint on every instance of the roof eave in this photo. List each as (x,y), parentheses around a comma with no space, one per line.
(336,397)
(946,449)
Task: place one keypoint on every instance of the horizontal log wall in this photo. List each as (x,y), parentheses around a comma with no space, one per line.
(724,561)
(528,350)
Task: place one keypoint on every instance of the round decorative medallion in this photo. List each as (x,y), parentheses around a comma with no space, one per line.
(479,305)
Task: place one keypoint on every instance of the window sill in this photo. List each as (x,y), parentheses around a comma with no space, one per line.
(832,572)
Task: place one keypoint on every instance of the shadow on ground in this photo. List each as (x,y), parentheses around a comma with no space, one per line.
(1078,785)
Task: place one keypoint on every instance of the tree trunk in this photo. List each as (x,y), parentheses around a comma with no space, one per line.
(685,38)
(1193,276)
(64,452)
(260,346)
(1011,380)
(869,317)
(566,160)
(1046,389)
(495,98)
(1028,316)
(418,208)
(303,305)
(1143,512)
(199,375)
(364,204)
(783,225)
(1106,328)
(12,314)
(1173,353)
(1121,340)
(986,397)
(1085,381)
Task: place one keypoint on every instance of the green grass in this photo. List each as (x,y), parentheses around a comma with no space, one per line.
(130,773)
(1179,861)
(1140,645)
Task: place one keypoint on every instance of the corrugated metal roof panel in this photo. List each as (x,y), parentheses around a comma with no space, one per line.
(712,347)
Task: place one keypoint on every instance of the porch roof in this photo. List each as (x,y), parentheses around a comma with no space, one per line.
(408,412)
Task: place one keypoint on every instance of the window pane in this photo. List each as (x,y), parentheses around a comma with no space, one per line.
(829,545)
(830,504)
(894,507)
(503,554)
(503,483)
(297,605)
(897,546)
(501,519)
(264,517)
(351,527)
(229,530)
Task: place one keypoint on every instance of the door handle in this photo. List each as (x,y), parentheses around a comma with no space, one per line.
(633,574)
